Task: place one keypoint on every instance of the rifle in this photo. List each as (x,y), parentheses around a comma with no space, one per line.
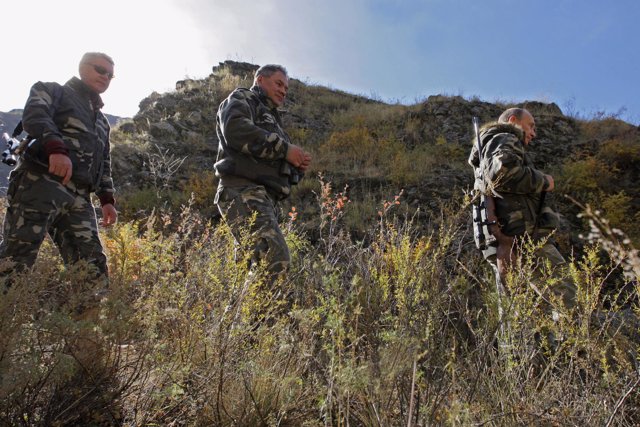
(481,219)
(486,228)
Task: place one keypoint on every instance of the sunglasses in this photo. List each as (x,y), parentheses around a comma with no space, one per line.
(102,71)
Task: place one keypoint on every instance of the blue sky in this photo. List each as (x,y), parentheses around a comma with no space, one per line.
(582,55)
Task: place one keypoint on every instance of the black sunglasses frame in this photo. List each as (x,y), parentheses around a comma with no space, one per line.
(101,70)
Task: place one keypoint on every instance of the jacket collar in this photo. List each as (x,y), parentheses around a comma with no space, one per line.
(263,97)
(494,128)
(81,88)
(487,132)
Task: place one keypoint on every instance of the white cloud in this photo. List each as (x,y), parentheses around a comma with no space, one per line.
(395,49)
(324,41)
(153,44)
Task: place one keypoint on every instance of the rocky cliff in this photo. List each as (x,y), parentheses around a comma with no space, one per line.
(178,128)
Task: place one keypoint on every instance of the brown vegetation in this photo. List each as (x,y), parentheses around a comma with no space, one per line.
(401,331)
(388,315)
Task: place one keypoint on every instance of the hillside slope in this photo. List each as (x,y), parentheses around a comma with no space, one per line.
(387,318)
(167,151)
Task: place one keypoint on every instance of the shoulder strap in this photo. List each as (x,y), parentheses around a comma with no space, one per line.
(57,97)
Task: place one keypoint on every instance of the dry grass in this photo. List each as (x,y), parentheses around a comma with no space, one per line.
(400,331)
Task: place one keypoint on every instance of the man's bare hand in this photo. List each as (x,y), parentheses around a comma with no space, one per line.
(60,165)
(109,215)
(298,157)
(551,183)
(306,162)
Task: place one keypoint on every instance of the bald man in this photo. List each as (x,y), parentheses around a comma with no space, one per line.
(517,193)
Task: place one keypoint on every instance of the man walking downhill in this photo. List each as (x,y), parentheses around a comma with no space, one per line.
(257,164)
(50,189)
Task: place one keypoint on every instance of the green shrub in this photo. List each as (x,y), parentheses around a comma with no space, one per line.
(585,176)
(620,154)
(202,187)
(357,150)
(400,325)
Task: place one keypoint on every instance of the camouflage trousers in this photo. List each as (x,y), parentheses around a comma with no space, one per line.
(565,289)
(238,206)
(39,204)
(560,298)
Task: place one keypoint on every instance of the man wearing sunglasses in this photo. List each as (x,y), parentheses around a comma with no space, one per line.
(67,160)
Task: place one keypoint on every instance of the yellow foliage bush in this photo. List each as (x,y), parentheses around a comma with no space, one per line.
(616,207)
(299,135)
(357,150)
(623,153)
(588,175)
(381,117)
(357,331)
(603,129)
(619,212)
(202,187)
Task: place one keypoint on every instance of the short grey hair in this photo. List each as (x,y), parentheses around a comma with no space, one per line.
(90,56)
(269,70)
(512,112)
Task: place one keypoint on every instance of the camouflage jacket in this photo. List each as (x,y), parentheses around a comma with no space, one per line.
(507,174)
(253,145)
(77,128)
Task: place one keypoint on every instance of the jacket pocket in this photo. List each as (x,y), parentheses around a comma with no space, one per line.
(514,223)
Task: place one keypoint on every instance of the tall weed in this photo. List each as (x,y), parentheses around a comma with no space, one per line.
(398,328)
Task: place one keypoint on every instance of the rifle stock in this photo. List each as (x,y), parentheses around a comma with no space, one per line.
(487,228)
(504,249)
(483,213)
